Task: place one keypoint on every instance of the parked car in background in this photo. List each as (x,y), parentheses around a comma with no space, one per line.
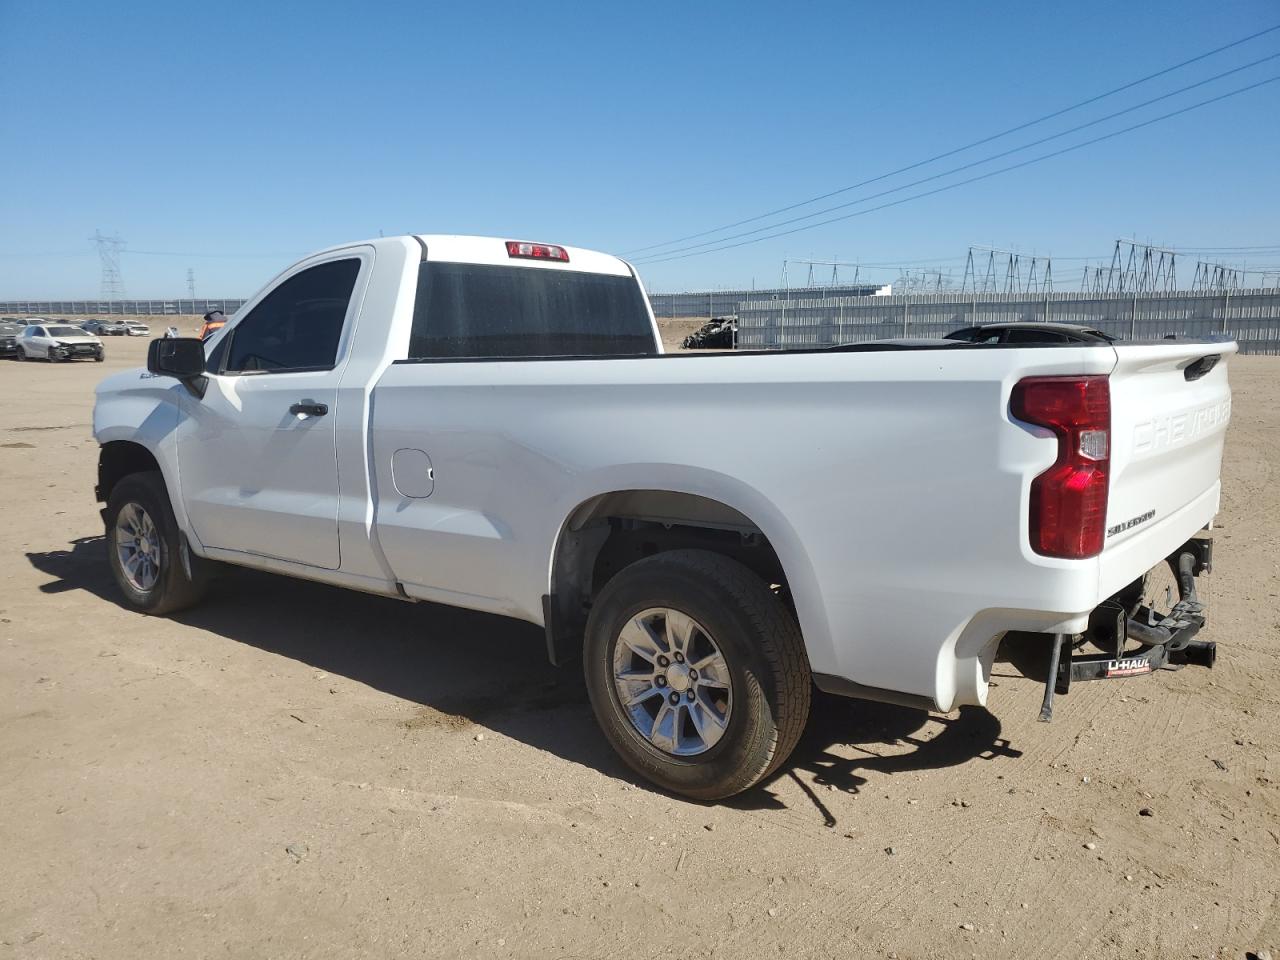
(214,320)
(136,329)
(107,328)
(1030,331)
(716,334)
(9,332)
(58,341)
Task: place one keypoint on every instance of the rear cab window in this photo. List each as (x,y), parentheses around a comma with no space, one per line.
(497,311)
(1036,336)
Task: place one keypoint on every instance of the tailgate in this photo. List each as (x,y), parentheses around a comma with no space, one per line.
(1170,404)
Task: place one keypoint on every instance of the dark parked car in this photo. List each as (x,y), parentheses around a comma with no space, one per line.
(9,338)
(1030,331)
(717,334)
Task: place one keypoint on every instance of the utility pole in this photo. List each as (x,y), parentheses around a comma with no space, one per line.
(191,282)
(111,286)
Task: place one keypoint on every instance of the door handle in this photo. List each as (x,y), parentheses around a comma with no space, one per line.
(309,408)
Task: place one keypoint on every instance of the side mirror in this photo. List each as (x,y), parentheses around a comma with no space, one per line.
(181,357)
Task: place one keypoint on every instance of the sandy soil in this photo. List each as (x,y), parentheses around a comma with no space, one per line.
(291,770)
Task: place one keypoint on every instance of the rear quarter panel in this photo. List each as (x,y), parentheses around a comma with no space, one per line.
(893,486)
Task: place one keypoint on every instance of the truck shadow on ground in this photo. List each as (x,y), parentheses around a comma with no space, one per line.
(464,668)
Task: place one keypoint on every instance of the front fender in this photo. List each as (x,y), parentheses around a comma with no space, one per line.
(139,407)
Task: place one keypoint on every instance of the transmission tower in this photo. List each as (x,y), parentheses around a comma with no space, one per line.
(191,282)
(1141,268)
(112,283)
(922,281)
(1094,280)
(990,270)
(835,266)
(1216,277)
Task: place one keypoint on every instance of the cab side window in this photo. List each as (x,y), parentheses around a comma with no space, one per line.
(297,326)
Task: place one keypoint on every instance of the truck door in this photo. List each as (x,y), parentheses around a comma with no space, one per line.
(258,452)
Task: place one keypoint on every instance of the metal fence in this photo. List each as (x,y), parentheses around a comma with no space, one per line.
(1252,317)
(40,308)
(706,304)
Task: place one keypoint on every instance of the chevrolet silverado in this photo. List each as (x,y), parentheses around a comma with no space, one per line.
(493,424)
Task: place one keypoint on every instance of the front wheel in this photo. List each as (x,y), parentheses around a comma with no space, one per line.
(697,673)
(152,566)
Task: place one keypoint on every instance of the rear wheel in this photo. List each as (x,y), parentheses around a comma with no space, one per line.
(697,673)
(150,561)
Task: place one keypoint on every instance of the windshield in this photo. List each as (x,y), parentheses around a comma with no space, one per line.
(498,311)
(65,331)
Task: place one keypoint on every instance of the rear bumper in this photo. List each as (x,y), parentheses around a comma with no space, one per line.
(1137,643)
(1168,641)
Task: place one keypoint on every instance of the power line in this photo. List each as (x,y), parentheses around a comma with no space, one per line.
(972,163)
(969,146)
(209,256)
(1266,248)
(982,176)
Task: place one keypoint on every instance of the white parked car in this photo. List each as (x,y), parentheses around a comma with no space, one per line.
(58,341)
(493,424)
(136,329)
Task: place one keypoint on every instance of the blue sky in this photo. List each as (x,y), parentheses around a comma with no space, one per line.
(233,137)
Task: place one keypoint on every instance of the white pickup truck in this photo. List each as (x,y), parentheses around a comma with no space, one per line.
(492,424)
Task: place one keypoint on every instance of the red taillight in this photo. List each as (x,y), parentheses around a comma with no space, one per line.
(536,251)
(1069,500)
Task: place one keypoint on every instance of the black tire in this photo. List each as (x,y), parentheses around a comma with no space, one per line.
(182,577)
(761,645)
(98,359)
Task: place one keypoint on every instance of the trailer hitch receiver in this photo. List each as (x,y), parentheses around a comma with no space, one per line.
(1169,643)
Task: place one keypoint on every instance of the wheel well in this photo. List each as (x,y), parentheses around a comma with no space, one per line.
(611,531)
(117,460)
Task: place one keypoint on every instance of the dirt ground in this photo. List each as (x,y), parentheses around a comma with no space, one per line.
(292,770)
